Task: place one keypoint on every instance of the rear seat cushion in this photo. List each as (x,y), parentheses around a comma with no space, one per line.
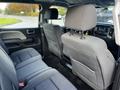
(41,77)
(24,54)
(49,80)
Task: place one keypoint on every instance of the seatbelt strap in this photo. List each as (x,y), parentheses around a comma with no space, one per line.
(43,41)
(118,62)
(118,57)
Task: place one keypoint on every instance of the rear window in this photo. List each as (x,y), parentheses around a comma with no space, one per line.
(19,15)
(61,17)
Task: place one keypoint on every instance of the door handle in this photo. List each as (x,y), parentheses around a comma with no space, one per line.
(30,31)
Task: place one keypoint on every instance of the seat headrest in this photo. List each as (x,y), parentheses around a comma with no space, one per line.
(51,13)
(81,18)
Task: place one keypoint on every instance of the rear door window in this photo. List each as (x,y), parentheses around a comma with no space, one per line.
(19,15)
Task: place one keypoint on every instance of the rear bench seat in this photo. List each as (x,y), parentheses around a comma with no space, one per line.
(20,55)
(32,70)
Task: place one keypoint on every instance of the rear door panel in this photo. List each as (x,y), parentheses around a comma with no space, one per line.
(16,39)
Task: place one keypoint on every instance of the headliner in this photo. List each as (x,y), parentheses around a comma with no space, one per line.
(67,3)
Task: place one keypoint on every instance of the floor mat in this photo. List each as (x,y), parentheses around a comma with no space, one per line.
(54,62)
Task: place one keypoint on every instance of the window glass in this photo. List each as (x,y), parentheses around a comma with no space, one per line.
(61,17)
(19,15)
(104,15)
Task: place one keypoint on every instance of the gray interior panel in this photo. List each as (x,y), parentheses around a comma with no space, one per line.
(12,35)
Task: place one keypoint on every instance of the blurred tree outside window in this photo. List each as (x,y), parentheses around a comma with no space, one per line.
(19,15)
(22,9)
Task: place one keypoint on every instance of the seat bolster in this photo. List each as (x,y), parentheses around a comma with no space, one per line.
(49,80)
(2,44)
(31,60)
(30,67)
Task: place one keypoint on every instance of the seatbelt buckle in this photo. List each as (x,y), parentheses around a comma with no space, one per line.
(22,84)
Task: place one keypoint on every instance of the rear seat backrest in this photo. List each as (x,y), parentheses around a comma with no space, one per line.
(53,32)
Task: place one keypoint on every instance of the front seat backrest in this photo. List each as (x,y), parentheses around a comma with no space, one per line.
(91,60)
(53,32)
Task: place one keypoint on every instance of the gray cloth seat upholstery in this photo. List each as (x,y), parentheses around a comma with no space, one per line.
(90,57)
(36,74)
(21,55)
(53,33)
(49,80)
